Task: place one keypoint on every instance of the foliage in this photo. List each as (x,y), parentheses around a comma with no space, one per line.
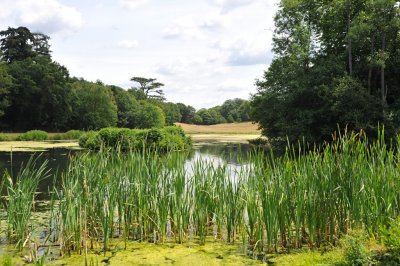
(38,96)
(391,239)
(356,253)
(127,106)
(210,117)
(16,44)
(5,83)
(20,199)
(334,65)
(187,112)
(4,137)
(150,116)
(235,110)
(164,139)
(6,260)
(93,106)
(69,135)
(149,87)
(309,198)
(89,140)
(172,112)
(34,135)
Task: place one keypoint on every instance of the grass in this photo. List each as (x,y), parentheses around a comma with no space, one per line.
(224,133)
(230,128)
(269,205)
(38,135)
(20,199)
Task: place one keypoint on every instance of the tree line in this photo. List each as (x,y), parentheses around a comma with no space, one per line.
(336,65)
(38,93)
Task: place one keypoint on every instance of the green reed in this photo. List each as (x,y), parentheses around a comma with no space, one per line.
(278,202)
(269,203)
(20,199)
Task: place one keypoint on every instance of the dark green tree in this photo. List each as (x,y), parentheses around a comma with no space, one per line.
(93,106)
(5,84)
(39,96)
(334,60)
(188,112)
(150,116)
(171,111)
(16,44)
(128,108)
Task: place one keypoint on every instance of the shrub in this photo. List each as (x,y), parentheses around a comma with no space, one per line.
(34,135)
(356,253)
(164,139)
(4,137)
(69,135)
(89,140)
(391,239)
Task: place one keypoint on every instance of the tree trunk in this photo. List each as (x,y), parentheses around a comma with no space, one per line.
(370,67)
(349,44)
(383,91)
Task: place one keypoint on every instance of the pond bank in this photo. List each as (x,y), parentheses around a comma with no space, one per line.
(39,146)
(36,146)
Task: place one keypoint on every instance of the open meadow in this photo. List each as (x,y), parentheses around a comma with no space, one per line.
(228,132)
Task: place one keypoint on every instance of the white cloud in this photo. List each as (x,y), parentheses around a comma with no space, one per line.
(128,44)
(48,16)
(227,6)
(214,22)
(185,26)
(132,4)
(170,70)
(195,27)
(243,53)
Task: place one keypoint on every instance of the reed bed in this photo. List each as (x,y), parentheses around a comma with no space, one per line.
(268,203)
(19,201)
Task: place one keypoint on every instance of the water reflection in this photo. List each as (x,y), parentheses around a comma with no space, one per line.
(233,155)
(228,153)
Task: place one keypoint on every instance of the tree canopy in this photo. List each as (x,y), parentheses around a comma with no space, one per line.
(149,87)
(336,64)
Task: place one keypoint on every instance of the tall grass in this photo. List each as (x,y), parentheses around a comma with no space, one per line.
(20,199)
(268,203)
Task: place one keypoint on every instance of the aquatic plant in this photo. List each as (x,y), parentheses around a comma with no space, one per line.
(20,199)
(269,203)
(34,135)
(162,139)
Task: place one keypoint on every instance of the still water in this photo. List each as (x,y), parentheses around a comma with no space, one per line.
(231,154)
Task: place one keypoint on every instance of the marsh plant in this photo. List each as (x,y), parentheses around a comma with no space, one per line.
(268,203)
(20,199)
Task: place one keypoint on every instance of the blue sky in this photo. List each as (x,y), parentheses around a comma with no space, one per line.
(203,51)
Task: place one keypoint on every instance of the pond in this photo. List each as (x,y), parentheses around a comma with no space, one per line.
(231,156)
(230,153)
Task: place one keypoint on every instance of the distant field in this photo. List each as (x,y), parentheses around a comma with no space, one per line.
(231,128)
(232,132)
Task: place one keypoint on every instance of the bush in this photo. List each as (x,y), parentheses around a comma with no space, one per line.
(69,135)
(356,253)
(164,139)
(89,140)
(391,239)
(4,137)
(34,135)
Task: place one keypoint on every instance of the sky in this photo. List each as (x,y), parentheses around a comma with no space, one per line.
(204,51)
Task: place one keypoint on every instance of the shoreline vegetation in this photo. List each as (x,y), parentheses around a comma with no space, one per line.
(341,200)
(222,133)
